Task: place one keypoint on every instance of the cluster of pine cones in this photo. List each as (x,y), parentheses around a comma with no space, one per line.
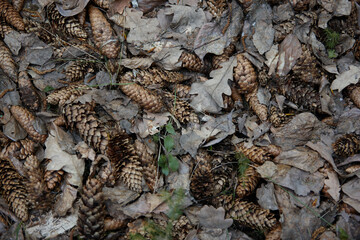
(154,90)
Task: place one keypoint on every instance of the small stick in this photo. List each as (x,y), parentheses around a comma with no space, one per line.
(2,94)
(37,71)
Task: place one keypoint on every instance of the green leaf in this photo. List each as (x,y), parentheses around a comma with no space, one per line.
(48,89)
(170,129)
(173,163)
(163,161)
(168,143)
(156,138)
(165,170)
(343,234)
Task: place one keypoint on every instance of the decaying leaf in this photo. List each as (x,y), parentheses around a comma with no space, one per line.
(333,185)
(289,51)
(346,78)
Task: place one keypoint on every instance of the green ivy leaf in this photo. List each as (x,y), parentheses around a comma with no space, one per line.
(170,129)
(165,170)
(48,89)
(173,163)
(168,143)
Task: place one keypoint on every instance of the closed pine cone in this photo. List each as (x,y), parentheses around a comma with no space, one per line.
(347,145)
(18,4)
(20,149)
(68,25)
(11,16)
(146,98)
(53,178)
(245,75)
(82,118)
(355,95)
(102,3)
(181,228)
(149,164)
(202,181)
(28,94)
(4,28)
(283,29)
(225,201)
(180,90)
(103,35)
(217,60)
(7,64)
(125,161)
(254,103)
(157,76)
(251,215)
(217,7)
(247,183)
(92,210)
(27,121)
(306,67)
(191,62)
(76,70)
(180,109)
(69,93)
(221,172)
(13,190)
(247,4)
(255,154)
(300,5)
(277,118)
(275,233)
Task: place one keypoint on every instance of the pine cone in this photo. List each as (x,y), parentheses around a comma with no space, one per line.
(247,182)
(7,64)
(156,76)
(11,16)
(18,4)
(245,75)
(82,118)
(225,201)
(13,189)
(300,5)
(69,25)
(217,60)
(307,67)
(255,154)
(191,62)
(125,161)
(53,178)
(36,185)
(180,109)
(70,93)
(246,4)
(221,172)
(149,164)
(347,145)
(4,28)
(263,77)
(102,3)
(355,95)
(4,140)
(112,224)
(277,118)
(275,233)
(92,210)
(103,35)
(251,215)
(202,181)
(147,99)
(259,109)
(181,228)
(76,70)
(217,7)
(28,94)
(302,94)
(27,121)
(273,150)
(180,90)
(283,29)
(20,149)
(353,168)
(64,51)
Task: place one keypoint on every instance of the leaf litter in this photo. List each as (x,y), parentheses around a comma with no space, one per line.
(305,56)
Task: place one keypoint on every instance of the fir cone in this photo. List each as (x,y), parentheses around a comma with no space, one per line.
(4,28)
(255,154)
(28,94)
(103,35)
(202,181)
(102,3)
(225,201)
(245,75)
(36,185)
(125,162)
(180,109)
(11,16)
(20,149)
(263,77)
(247,182)
(355,95)
(277,118)
(347,145)
(82,118)
(70,93)
(217,60)
(76,70)
(53,178)
(302,94)
(27,121)
(217,7)
(112,224)
(181,228)
(251,215)
(191,62)
(18,4)
(275,233)
(180,90)
(221,172)
(92,210)
(307,67)
(273,150)
(7,64)
(259,109)
(283,29)
(149,164)
(157,76)
(147,99)
(13,189)
(68,25)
